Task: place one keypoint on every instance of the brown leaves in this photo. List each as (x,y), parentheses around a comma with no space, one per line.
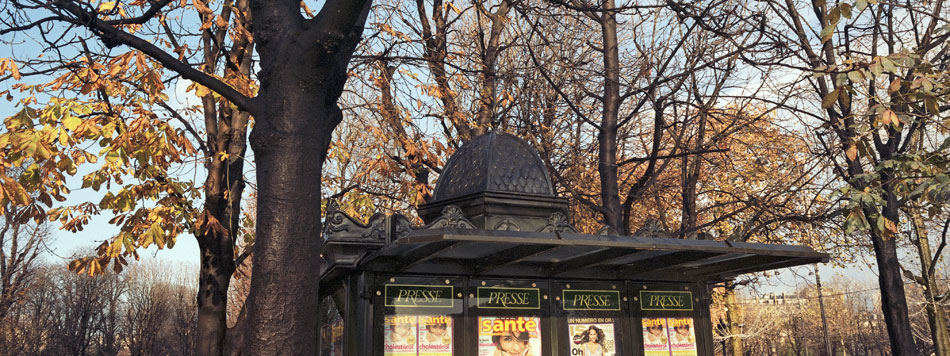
(831,98)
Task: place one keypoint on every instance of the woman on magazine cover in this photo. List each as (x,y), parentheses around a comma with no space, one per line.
(512,343)
(593,342)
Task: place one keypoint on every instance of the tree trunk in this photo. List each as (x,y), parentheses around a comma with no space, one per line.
(290,145)
(893,298)
(607,136)
(303,69)
(225,131)
(488,76)
(733,321)
(935,315)
(435,54)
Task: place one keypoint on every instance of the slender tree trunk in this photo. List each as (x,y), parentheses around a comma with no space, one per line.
(936,316)
(489,73)
(733,321)
(226,131)
(414,164)
(607,136)
(435,53)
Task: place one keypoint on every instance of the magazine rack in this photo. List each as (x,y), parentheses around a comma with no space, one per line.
(498,270)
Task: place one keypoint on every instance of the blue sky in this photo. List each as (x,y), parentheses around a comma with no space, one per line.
(65,243)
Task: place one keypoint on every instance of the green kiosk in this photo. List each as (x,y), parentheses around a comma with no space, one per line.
(498,271)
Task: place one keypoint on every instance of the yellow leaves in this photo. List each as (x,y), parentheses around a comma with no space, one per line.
(107,6)
(87,265)
(70,122)
(889,117)
(894,87)
(209,226)
(200,90)
(391,31)
(202,8)
(7,64)
(852,152)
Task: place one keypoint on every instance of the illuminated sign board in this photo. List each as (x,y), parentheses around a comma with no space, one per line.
(509,298)
(419,296)
(666,300)
(576,299)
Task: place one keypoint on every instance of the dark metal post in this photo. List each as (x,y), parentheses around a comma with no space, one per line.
(824,320)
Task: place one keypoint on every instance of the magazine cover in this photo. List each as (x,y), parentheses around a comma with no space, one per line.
(655,337)
(592,336)
(509,336)
(399,336)
(435,335)
(682,336)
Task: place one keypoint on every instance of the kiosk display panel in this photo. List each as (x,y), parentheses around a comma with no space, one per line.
(590,315)
(667,315)
(510,317)
(418,316)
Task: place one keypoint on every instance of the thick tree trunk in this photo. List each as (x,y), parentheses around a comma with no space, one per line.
(282,306)
(303,70)
(607,137)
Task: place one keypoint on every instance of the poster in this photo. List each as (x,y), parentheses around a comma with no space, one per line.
(592,336)
(682,336)
(509,336)
(435,335)
(399,336)
(655,337)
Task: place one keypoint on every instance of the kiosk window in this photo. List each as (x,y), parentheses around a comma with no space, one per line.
(419,319)
(331,331)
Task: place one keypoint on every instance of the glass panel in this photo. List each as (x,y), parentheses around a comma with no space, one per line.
(331,330)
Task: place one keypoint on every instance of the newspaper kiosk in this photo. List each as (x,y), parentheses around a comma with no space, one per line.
(498,271)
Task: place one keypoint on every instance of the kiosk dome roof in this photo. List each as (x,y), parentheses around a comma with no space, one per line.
(494,162)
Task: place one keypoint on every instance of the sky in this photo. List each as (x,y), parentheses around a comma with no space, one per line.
(65,244)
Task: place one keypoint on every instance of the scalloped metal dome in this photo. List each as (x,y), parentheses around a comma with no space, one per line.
(494,162)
